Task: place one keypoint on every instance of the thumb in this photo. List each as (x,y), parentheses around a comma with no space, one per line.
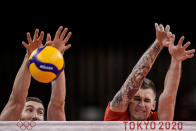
(24,44)
(173,39)
(66,48)
(48,43)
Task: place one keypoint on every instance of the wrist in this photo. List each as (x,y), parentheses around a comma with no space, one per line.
(175,61)
(157,41)
(27,55)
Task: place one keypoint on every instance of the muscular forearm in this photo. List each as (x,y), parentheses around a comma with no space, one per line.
(57,100)
(22,82)
(172,79)
(135,79)
(168,97)
(14,107)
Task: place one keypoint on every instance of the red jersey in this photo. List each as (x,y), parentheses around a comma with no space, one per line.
(124,116)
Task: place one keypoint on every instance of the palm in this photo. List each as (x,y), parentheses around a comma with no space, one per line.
(163,35)
(179,52)
(35,43)
(60,40)
(163,39)
(59,44)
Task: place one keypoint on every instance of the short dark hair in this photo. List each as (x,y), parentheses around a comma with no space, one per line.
(36,99)
(149,84)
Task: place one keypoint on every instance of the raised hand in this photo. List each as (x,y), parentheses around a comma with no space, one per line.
(163,35)
(60,40)
(179,51)
(35,43)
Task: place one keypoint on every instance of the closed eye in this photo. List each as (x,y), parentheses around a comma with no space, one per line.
(137,98)
(147,100)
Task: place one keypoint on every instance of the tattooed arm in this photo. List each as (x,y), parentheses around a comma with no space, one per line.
(135,79)
(139,72)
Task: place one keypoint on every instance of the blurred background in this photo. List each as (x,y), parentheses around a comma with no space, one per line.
(104,51)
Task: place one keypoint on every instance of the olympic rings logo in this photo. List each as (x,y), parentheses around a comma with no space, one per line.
(26,125)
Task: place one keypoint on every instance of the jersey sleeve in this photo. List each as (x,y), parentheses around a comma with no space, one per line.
(153,116)
(115,116)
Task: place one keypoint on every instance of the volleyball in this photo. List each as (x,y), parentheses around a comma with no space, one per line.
(46,64)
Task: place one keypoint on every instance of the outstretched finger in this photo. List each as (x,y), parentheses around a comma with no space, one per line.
(161,27)
(25,44)
(190,56)
(173,39)
(29,39)
(66,47)
(187,45)
(167,28)
(41,37)
(181,41)
(58,32)
(36,34)
(67,37)
(48,38)
(192,51)
(169,34)
(63,33)
(157,27)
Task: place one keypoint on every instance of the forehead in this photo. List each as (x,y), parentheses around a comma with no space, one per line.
(34,104)
(145,93)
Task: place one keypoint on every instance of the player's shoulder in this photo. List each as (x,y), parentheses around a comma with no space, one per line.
(153,116)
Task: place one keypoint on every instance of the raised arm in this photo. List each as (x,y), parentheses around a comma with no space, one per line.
(16,102)
(139,72)
(56,107)
(168,97)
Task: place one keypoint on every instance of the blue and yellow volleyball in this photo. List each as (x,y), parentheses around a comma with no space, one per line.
(46,64)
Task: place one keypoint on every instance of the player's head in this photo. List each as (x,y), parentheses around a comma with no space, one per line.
(33,110)
(143,101)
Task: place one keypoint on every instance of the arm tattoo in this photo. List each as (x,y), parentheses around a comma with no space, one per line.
(139,72)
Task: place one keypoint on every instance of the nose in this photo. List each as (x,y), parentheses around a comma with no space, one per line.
(36,117)
(141,103)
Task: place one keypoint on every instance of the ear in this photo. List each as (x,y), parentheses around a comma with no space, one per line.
(154,105)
